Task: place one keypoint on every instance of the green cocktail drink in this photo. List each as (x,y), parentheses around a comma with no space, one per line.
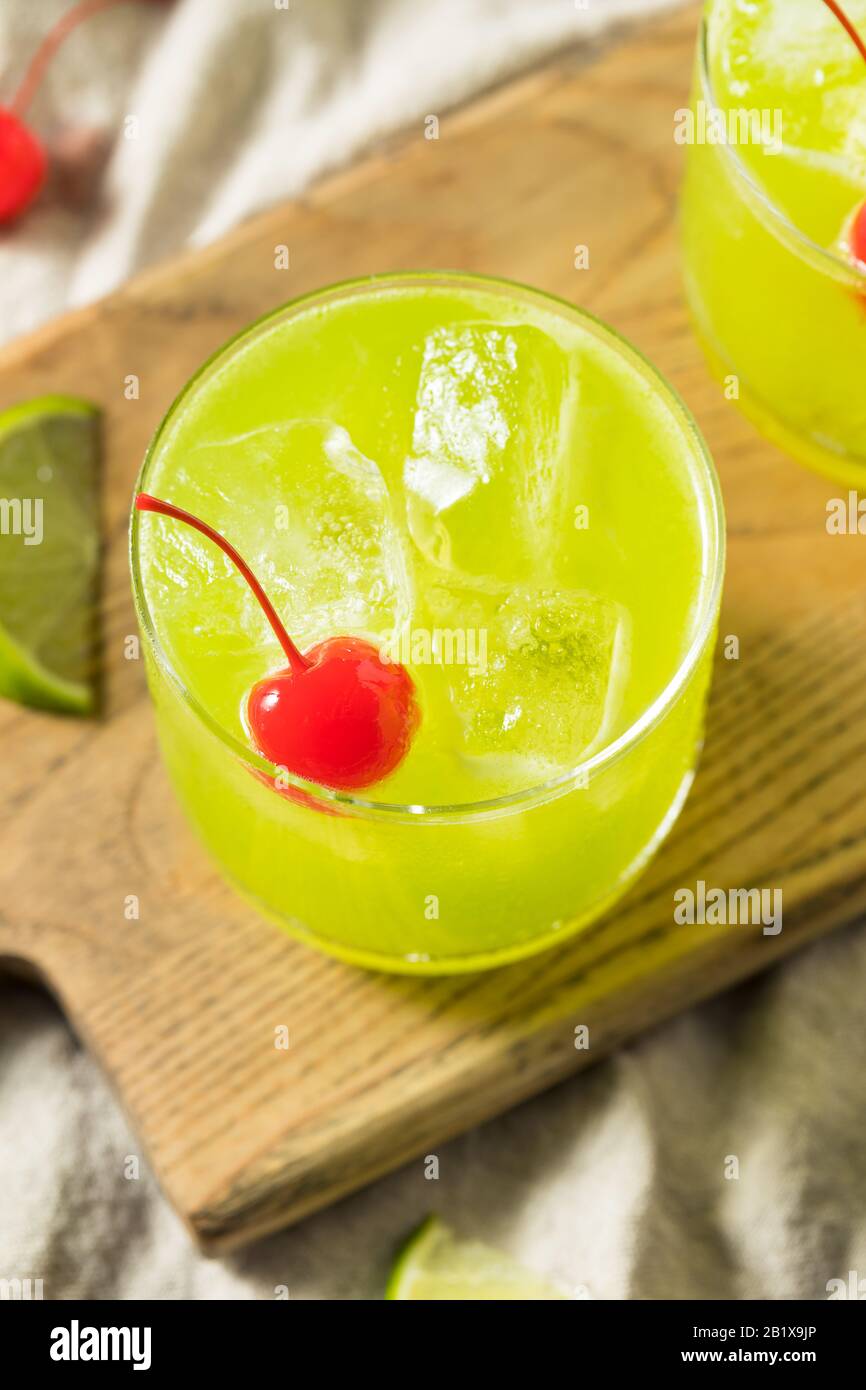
(505,498)
(773,241)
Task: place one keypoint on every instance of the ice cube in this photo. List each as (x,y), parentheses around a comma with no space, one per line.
(794,58)
(334,559)
(313,517)
(549,684)
(488,449)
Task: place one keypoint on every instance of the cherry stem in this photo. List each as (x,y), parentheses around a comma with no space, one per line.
(49,46)
(847,25)
(145,503)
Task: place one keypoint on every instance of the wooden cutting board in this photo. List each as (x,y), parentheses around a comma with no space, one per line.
(181,1005)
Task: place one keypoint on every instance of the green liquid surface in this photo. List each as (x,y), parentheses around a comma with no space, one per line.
(494,491)
(778,298)
(793,60)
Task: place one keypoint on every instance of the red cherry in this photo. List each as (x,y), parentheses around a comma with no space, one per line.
(338,715)
(347,721)
(858,236)
(22,165)
(23,161)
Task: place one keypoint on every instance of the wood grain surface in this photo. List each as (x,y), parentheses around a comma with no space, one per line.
(180,1006)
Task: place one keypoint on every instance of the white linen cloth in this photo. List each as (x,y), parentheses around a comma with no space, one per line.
(614,1182)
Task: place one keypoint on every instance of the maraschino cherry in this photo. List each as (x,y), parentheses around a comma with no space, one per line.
(858,236)
(857,232)
(23,160)
(22,165)
(338,715)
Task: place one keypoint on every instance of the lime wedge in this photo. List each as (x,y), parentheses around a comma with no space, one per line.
(49,551)
(433,1264)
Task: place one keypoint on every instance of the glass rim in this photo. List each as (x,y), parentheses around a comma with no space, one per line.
(706,486)
(850,269)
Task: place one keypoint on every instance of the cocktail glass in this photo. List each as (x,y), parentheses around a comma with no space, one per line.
(499,863)
(778,302)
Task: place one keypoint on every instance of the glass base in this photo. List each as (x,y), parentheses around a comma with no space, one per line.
(470,964)
(806,449)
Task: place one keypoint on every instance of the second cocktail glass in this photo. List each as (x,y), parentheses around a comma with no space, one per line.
(775,175)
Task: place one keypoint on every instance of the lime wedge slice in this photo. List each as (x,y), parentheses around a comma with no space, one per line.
(434,1264)
(49,551)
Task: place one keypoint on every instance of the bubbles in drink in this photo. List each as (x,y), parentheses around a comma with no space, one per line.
(544,675)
